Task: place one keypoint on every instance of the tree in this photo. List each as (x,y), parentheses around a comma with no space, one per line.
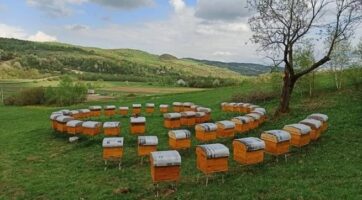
(340,59)
(281,26)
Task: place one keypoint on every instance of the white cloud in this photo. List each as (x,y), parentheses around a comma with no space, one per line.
(222,53)
(11,32)
(55,8)
(42,37)
(178,5)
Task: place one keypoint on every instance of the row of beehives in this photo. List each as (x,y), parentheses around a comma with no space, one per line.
(238,107)
(213,158)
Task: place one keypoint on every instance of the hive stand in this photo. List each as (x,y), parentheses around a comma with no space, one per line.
(112,151)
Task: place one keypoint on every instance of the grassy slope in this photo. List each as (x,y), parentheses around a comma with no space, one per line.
(36,163)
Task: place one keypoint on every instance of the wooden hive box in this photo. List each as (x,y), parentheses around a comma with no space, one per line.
(84,113)
(277,142)
(253,107)
(230,107)
(177,107)
(62,123)
(138,125)
(150,108)
(91,128)
(224,106)
(75,114)
(111,128)
(207,112)
(163,108)
(206,132)
(199,117)
(239,107)
(316,127)
(146,145)
(172,120)
(186,106)
(179,139)
(194,108)
(212,158)
(110,110)
(95,111)
(123,110)
(225,129)
(136,109)
(322,118)
(300,134)
(242,123)
(165,166)
(188,118)
(246,107)
(248,151)
(53,119)
(254,123)
(112,148)
(74,127)
(262,112)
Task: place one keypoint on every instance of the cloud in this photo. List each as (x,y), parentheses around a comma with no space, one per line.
(77,27)
(42,37)
(222,53)
(124,4)
(178,5)
(7,31)
(221,9)
(55,8)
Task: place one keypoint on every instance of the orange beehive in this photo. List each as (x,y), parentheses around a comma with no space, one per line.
(239,107)
(230,107)
(316,127)
(246,107)
(225,129)
(74,127)
(91,128)
(187,106)
(253,107)
(163,108)
(53,120)
(136,109)
(300,134)
(172,120)
(138,125)
(113,149)
(111,128)
(95,111)
(146,145)
(84,113)
(177,107)
(179,139)
(165,166)
(150,108)
(224,106)
(200,117)
(212,158)
(62,123)
(207,112)
(248,151)
(322,118)
(188,118)
(256,120)
(123,111)
(277,142)
(261,112)
(194,108)
(242,123)
(75,114)
(110,110)
(206,131)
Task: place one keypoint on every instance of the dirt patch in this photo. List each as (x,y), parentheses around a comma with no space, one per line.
(95,97)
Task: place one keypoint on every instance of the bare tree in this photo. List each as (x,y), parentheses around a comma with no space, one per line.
(340,59)
(281,25)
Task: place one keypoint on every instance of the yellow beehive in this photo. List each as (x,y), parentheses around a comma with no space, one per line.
(84,113)
(322,118)
(113,149)
(136,109)
(95,111)
(163,108)
(109,110)
(212,158)
(74,127)
(91,128)
(239,107)
(179,139)
(188,118)
(146,145)
(206,131)
(255,123)
(207,112)
(172,120)
(165,166)
(75,114)
(248,151)
(186,106)
(177,107)
(199,117)
(242,123)
(300,134)
(261,112)
(230,107)
(277,142)
(246,108)
(53,119)
(111,128)
(62,123)
(138,125)
(123,110)
(225,129)
(316,127)
(194,108)
(150,108)
(224,106)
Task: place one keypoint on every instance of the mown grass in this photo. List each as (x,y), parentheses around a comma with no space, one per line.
(37,163)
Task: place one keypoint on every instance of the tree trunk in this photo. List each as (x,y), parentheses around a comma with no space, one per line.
(288,87)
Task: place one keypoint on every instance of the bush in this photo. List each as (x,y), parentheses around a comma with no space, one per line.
(30,96)
(257,97)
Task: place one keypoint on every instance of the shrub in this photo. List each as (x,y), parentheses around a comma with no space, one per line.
(30,96)
(259,96)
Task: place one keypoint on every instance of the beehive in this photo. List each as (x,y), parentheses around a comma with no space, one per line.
(246,107)
(113,149)
(53,119)
(277,142)
(165,166)
(253,107)
(109,110)
(75,114)
(62,123)
(322,118)
(136,109)
(316,127)
(84,113)
(225,129)
(188,118)
(248,151)
(224,106)
(212,158)
(150,108)
(65,112)
(146,145)
(206,131)
(123,110)
(74,127)
(177,107)
(194,108)
(230,107)
(111,128)
(242,123)
(187,106)
(254,123)
(207,112)
(239,107)
(91,128)
(179,139)
(200,117)
(163,108)
(95,111)
(262,112)
(300,134)
(138,125)
(172,120)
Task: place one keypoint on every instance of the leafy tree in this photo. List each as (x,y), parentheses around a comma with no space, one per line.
(340,59)
(304,57)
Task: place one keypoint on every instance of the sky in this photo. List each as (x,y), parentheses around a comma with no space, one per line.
(203,29)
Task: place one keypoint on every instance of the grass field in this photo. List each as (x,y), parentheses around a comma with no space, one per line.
(37,163)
